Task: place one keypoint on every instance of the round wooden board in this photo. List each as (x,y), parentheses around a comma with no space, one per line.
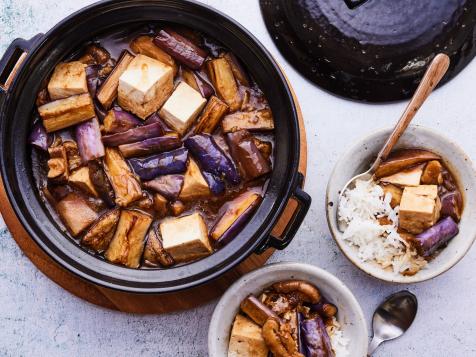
(144,304)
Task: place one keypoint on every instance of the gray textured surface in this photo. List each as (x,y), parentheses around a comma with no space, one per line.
(37,318)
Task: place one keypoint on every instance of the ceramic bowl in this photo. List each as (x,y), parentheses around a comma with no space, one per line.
(350,313)
(358,158)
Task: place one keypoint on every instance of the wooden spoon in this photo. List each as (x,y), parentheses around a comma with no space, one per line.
(435,72)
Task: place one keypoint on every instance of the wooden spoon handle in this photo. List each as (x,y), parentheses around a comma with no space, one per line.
(435,72)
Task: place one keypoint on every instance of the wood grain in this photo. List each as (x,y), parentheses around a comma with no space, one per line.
(144,304)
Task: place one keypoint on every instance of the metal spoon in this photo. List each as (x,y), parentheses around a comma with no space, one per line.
(435,72)
(393,317)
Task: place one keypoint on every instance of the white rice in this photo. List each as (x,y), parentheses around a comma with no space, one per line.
(359,209)
(339,342)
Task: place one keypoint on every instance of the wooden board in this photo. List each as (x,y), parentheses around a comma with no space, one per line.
(145,304)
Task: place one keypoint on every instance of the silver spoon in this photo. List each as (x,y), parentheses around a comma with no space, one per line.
(393,317)
(435,72)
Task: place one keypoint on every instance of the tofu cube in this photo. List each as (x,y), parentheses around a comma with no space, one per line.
(145,86)
(82,180)
(246,339)
(68,79)
(185,238)
(409,177)
(182,108)
(419,208)
(194,184)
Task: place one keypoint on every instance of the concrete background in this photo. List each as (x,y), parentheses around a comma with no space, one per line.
(38,318)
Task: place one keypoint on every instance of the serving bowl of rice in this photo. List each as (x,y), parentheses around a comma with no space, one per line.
(378,249)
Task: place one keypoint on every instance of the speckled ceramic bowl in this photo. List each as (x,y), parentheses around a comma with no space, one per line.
(358,158)
(350,313)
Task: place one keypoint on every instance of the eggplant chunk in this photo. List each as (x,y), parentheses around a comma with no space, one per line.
(99,236)
(432,174)
(238,71)
(133,135)
(168,186)
(107,93)
(82,180)
(118,121)
(180,48)
(163,143)
(67,112)
(126,186)
(39,137)
(177,208)
(154,252)
(101,183)
(211,116)
(396,193)
(315,338)
(221,75)
(128,242)
(434,237)
(144,45)
(58,164)
(216,184)
(211,158)
(258,120)
(265,147)
(256,310)
(194,185)
(160,205)
(72,153)
(246,155)
(308,292)
(452,205)
(75,213)
(194,80)
(172,162)
(235,216)
(403,159)
(88,136)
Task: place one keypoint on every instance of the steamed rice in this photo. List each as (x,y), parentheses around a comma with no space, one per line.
(340,344)
(359,210)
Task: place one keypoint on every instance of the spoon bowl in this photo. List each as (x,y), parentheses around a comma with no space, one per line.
(393,318)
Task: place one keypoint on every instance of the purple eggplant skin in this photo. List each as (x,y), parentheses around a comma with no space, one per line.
(119,121)
(238,224)
(88,137)
(211,158)
(133,135)
(168,186)
(39,137)
(101,183)
(151,146)
(315,339)
(206,89)
(172,162)
(451,205)
(434,237)
(180,48)
(155,118)
(300,339)
(216,184)
(92,78)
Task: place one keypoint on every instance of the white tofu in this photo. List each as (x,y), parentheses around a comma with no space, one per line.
(410,177)
(419,208)
(194,185)
(246,339)
(145,86)
(186,238)
(68,79)
(182,108)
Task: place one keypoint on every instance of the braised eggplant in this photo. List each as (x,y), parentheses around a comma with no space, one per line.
(127,245)
(211,158)
(140,131)
(172,162)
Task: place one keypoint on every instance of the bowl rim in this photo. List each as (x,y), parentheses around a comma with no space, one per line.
(270,269)
(331,221)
